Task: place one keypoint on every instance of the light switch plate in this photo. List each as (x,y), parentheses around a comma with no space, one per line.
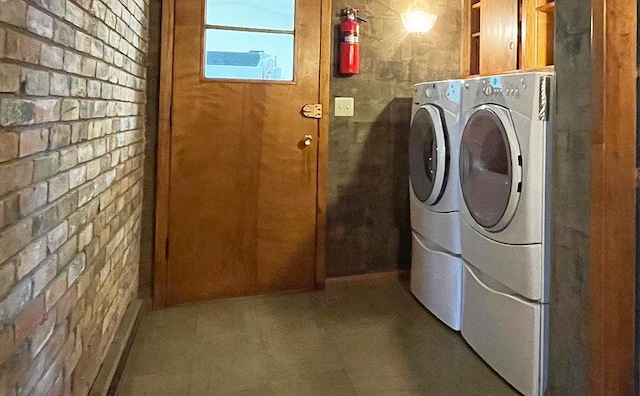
(344,107)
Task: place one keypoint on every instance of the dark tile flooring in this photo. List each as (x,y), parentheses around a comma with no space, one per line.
(359,337)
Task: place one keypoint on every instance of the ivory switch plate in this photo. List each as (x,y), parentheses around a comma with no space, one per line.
(344,107)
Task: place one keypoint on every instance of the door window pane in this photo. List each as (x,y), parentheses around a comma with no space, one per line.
(247,55)
(255,14)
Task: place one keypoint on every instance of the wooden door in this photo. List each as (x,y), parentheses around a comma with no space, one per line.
(499,36)
(242,187)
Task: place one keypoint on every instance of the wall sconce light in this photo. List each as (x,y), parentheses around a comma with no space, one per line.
(418,21)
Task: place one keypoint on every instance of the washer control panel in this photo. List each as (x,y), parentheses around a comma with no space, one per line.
(429,92)
(494,87)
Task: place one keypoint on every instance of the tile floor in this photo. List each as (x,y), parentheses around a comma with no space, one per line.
(356,338)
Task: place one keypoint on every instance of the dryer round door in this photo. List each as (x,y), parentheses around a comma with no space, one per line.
(428,154)
(490,167)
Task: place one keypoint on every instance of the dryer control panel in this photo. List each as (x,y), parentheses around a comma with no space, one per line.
(494,86)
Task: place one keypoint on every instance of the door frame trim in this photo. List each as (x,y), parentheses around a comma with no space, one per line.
(160,263)
(612,271)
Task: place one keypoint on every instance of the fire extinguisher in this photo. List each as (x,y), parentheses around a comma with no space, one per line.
(349,42)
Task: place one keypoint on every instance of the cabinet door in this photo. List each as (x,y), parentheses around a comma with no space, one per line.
(499,34)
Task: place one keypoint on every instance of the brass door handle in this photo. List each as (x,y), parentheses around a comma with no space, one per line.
(308,139)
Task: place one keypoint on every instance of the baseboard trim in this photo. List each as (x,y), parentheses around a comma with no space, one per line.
(104,383)
(397,274)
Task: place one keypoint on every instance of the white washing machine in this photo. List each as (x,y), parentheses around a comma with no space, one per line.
(505,177)
(436,266)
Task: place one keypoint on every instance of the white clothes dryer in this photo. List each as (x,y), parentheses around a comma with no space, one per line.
(505,178)
(436,268)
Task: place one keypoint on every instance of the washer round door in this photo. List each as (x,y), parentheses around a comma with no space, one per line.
(428,156)
(490,167)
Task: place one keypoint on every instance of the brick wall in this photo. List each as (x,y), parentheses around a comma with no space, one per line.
(72,83)
(368,193)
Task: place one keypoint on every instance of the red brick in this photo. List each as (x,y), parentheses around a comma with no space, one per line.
(63,34)
(39,23)
(3,41)
(33,141)
(85,280)
(8,383)
(14,176)
(55,6)
(14,303)
(17,112)
(60,84)
(72,358)
(78,311)
(33,198)
(41,335)
(7,276)
(45,383)
(31,256)
(9,212)
(76,268)
(52,57)
(55,290)
(72,62)
(9,77)
(30,317)
(68,251)
(60,306)
(47,110)
(88,67)
(82,376)
(57,340)
(14,368)
(68,157)
(35,369)
(58,387)
(14,238)
(77,176)
(46,166)
(71,108)
(36,82)
(8,142)
(65,305)
(13,12)
(74,14)
(58,186)
(57,236)
(60,136)
(22,48)
(44,274)
(6,343)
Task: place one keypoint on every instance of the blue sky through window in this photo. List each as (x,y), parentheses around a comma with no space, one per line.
(257,14)
(229,52)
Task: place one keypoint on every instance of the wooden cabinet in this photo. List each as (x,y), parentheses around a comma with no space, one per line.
(541,15)
(498,36)
(506,35)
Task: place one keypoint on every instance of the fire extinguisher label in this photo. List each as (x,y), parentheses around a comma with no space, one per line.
(349,39)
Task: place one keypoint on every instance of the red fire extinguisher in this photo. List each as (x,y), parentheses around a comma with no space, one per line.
(349,42)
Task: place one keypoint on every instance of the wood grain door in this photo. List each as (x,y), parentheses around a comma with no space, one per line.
(499,35)
(242,200)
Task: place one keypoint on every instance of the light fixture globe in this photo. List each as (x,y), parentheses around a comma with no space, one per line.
(418,21)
